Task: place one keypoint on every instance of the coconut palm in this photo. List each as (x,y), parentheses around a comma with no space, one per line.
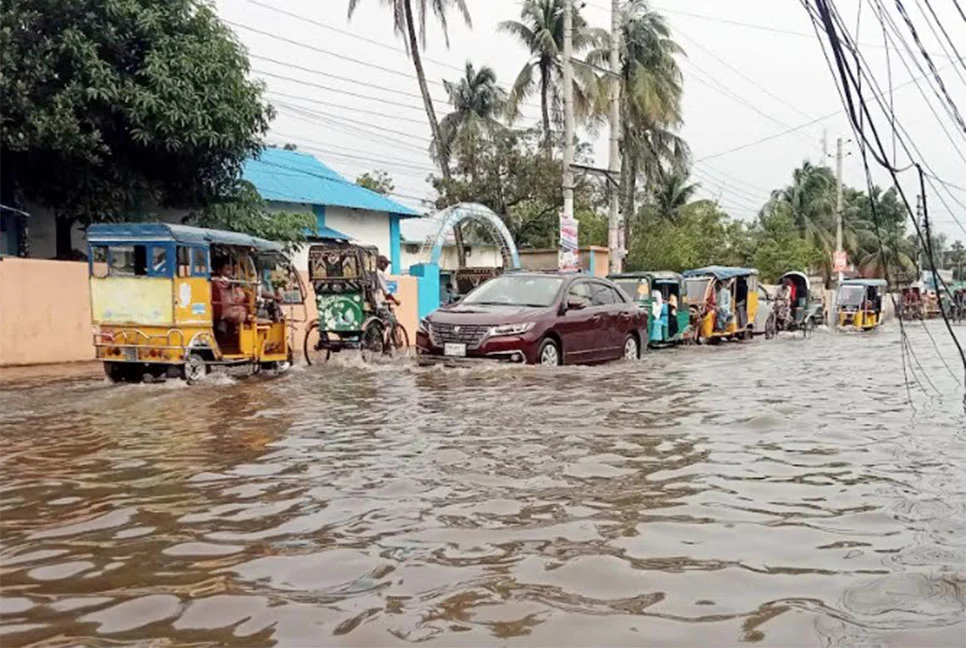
(651,91)
(541,30)
(404,24)
(671,194)
(478,102)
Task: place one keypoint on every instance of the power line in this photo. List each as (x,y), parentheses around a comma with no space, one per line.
(354,109)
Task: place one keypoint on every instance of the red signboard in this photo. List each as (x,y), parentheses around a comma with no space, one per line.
(840,262)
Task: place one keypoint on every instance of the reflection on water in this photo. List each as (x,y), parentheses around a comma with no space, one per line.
(779,493)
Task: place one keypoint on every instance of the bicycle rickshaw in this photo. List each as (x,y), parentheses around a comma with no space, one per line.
(797,307)
(665,324)
(174,300)
(344,277)
(859,303)
(912,306)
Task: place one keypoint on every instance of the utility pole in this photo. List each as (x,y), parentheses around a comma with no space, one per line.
(616,249)
(838,202)
(568,89)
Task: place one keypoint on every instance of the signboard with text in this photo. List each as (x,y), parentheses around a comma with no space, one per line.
(569,249)
(840,262)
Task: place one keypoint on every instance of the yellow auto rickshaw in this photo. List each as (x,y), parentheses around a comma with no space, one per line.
(859,303)
(723,302)
(172,300)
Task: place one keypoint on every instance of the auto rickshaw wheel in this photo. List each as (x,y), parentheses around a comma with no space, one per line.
(195,368)
(316,349)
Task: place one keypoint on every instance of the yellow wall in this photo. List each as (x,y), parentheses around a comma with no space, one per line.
(45,313)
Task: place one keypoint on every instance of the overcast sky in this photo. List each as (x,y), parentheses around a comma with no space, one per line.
(346,92)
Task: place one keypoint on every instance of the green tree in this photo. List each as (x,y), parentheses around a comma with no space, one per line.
(957,260)
(243,210)
(405,22)
(114,107)
(702,234)
(378,181)
(778,247)
(672,193)
(540,30)
(478,102)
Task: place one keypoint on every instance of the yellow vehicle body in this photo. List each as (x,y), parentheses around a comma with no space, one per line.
(153,304)
(859,304)
(700,289)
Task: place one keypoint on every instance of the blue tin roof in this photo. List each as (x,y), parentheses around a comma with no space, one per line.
(720,272)
(115,232)
(295,177)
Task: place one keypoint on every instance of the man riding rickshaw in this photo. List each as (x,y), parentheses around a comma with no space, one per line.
(353,301)
(796,307)
(176,300)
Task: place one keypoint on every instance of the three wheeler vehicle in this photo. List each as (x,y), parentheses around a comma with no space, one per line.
(173,300)
(345,280)
(660,295)
(859,304)
(797,307)
(723,302)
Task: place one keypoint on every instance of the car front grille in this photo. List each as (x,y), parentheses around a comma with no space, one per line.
(469,334)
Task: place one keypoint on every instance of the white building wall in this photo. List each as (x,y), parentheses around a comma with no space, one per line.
(479,256)
(365,227)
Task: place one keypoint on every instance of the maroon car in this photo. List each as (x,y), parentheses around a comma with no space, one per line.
(530,317)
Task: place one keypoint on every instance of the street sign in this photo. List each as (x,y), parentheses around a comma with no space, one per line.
(840,262)
(569,250)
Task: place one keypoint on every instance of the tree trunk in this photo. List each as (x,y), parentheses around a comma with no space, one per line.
(64,227)
(545,109)
(441,153)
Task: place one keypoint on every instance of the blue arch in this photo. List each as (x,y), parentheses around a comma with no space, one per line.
(474,211)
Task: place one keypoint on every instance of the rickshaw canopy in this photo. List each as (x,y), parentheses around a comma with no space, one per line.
(720,272)
(106,233)
(800,275)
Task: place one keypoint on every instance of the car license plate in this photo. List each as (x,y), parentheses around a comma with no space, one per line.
(453,349)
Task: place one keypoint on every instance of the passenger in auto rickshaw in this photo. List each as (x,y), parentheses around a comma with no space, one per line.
(723,311)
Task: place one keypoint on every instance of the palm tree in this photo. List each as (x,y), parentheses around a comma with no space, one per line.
(540,30)
(404,24)
(651,91)
(478,102)
(673,193)
(810,200)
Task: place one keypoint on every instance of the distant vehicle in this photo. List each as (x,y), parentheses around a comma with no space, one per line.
(535,318)
(859,303)
(660,295)
(705,288)
(796,306)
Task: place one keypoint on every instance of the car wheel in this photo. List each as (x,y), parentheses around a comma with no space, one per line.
(549,354)
(632,350)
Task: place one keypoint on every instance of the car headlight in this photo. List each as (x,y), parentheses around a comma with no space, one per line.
(424,326)
(511,329)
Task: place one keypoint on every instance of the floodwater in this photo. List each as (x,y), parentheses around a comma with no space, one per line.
(779,493)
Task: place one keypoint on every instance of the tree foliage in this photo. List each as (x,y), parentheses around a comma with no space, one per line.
(379,181)
(114,106)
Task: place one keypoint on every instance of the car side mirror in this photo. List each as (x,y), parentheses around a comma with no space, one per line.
(575,304)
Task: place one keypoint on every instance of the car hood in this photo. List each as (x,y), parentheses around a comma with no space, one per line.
(486,315)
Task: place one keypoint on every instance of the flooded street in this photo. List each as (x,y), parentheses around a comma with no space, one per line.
(777,493)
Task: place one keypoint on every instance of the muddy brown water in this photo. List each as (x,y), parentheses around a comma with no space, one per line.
(774,493)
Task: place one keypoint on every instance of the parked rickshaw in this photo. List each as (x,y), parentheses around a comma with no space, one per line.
(797,307)
(723,302)
(859,303)
(660,294)
(344,277)
(959,302)
(172,300)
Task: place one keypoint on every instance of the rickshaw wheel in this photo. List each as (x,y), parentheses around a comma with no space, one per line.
(398,339)
(373,338)
(195,368)
(315,352)
(771,328)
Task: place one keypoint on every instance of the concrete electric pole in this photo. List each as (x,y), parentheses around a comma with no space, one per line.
(838,203)
(614,221)
(568,89)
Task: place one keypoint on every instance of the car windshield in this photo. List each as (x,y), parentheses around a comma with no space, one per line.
(517,291)
(851,295)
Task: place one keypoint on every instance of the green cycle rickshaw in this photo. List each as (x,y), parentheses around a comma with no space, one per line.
(659,294)
(345,280)
(798,306)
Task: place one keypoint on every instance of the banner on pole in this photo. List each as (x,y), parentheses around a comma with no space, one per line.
(569,248)
(840,262)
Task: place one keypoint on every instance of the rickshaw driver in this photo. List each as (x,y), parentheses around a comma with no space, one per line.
(383,296)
